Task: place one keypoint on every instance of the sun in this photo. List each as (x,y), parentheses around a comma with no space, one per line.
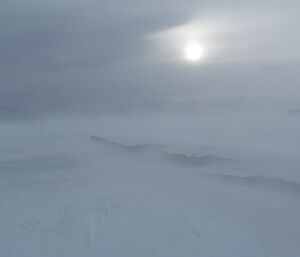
(194,51)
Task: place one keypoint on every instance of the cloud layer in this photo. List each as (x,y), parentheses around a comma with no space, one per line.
(98,56)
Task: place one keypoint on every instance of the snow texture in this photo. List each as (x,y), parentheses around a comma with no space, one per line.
(109,190)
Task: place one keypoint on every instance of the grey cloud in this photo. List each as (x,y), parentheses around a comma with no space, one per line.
(86,56)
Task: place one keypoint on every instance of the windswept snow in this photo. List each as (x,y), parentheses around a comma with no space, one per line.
(98,192)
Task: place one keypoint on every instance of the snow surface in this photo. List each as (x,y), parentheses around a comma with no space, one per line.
(145,187)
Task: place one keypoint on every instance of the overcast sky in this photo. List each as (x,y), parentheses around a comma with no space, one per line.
(98,56)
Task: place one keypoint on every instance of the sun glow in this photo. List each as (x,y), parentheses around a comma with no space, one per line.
(194,51)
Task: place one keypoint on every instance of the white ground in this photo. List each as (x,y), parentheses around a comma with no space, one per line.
(126,187)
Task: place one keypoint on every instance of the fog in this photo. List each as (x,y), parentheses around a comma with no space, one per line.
(89,57)
(119,140)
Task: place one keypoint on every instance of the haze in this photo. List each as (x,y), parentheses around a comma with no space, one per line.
(142,128)
(94,57)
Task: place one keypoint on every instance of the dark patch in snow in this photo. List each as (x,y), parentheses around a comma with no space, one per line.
(177,158)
